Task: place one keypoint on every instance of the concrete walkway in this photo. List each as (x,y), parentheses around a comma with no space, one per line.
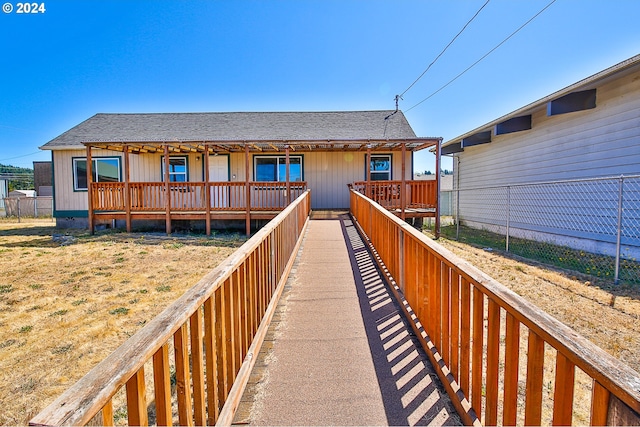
(338,351)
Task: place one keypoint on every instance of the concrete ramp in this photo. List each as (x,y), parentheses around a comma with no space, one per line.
(338,351)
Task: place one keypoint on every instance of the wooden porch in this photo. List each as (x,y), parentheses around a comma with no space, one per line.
(247,199)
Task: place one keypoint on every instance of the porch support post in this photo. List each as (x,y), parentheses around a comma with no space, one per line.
(167,191)
(403,190)
(89,189)
(438,155)
(207,191)
(367,167)
(127,193)
(248,190)
(288,176)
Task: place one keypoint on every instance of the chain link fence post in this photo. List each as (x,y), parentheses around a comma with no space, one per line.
(508,216)
(619,230)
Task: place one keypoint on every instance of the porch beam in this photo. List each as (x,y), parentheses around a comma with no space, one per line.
(248,191)
(127,193)
(367,167)
(89,190)
(207,191)
(167,191)
(403,180)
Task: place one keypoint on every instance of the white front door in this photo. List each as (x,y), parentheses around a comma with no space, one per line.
(219,172)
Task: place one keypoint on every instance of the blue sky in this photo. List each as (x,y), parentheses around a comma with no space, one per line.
(79,58)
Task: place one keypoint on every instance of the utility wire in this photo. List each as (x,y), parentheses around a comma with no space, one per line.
(17,157)
(443,50)
(483,57)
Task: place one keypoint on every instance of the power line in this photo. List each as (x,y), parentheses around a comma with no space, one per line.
(485,55)
(24,155)
(444,50)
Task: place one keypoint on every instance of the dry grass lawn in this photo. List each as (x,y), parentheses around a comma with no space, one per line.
(67,302)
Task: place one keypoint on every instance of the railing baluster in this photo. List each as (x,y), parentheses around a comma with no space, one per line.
(199,404)
(563,393)
(465,335)
(445,314)
(455,325)
(476,357)
(599,404)
(183,387)
(107,414)
(137,400)
(493,355)
(213,400)
(511,364)
(533,394)
(162,386)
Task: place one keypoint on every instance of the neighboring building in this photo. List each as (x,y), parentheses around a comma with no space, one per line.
(43,178)
(22,193)
(587,130)
(325,152)
(4,191)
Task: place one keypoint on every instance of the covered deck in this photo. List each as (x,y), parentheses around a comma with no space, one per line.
(247,199)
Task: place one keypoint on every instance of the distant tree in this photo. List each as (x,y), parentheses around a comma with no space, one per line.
(428,173)
(19,178)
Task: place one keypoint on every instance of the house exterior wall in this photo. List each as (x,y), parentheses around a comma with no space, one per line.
(600,142)
(326,173)
(604,141)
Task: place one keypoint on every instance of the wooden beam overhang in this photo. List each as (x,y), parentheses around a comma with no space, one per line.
(265,146)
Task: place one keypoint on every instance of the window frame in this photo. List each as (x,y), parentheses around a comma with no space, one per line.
(372,172)
(94,170)
(278,158)
(173,174)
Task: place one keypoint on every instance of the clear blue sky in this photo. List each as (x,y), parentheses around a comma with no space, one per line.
(79,58)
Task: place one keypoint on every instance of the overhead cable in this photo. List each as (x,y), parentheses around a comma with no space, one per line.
(443,50)
(484,56)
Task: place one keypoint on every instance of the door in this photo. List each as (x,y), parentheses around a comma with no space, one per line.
(219,172)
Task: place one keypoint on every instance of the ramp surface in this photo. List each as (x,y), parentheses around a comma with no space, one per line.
(338,351)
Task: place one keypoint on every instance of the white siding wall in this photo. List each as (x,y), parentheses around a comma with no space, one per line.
(604,141)
(600,142)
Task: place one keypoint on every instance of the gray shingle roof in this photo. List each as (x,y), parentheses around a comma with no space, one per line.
(312,126)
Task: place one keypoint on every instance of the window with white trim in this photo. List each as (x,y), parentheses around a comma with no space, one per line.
(178,169)
(380,167)
(274,168)
(104,169)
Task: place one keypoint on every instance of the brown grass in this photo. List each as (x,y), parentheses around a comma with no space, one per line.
(66,303)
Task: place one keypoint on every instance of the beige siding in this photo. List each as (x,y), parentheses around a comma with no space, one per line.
(604,141)
(327,174)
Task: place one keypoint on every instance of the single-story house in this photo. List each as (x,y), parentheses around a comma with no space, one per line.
(563,145)
(233,166)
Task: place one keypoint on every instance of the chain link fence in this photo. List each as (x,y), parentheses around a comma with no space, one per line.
(588,225)
(29,207)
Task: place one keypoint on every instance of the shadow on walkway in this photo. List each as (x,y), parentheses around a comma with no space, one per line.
(410,388)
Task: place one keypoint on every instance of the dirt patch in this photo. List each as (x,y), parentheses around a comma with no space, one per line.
(606,314)
(68,299)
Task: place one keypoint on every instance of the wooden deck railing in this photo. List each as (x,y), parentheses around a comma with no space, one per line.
(419,194)
(227,312)
(190,196)
(501,359)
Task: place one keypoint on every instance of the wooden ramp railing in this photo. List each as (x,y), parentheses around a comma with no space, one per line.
(501,359)
(227,312)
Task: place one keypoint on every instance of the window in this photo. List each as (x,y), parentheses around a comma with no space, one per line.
(274,168)
(104,169)
(380,167)
(178,168)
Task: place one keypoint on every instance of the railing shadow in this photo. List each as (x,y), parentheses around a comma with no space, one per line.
(410,388)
